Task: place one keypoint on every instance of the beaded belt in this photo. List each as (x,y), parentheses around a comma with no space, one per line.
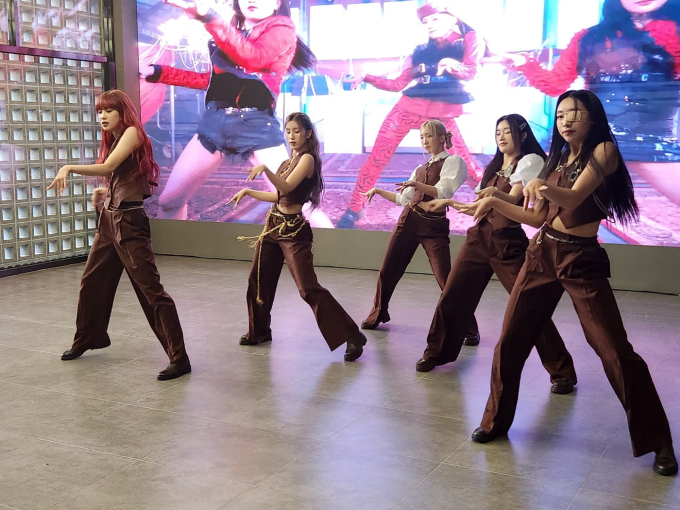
(542,232)
(293,221)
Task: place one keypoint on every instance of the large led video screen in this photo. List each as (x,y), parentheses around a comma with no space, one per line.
(380,70)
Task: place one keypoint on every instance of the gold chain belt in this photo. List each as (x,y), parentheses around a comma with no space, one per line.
(424,216)
(297,222)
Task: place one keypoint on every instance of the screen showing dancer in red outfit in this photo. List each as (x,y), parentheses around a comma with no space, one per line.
(631,61)
(433,84)
(250,53)
(217,87)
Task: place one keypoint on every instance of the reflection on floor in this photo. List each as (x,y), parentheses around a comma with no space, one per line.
(290,425)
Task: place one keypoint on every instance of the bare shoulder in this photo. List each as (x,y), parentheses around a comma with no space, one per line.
(607,155)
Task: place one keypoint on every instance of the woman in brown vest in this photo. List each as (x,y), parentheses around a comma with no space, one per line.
(288,237)
(584,181)
(496,244)
(123,239)
(439,178)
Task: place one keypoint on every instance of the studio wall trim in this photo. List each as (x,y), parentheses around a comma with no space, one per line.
(637,268)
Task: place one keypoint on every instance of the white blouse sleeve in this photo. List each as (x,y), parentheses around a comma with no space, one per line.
(528,168)
(405,196)
(453,175)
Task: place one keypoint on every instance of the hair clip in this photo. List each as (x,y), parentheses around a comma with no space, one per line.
(522,125)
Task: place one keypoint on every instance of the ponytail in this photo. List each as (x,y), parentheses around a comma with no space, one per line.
(447,141)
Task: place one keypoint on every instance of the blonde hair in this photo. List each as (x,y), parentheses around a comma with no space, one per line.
(437,128)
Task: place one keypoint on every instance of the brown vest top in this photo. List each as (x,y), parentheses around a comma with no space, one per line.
(300,195)
(125,181)
(427,174)
(497,220)
(587,211)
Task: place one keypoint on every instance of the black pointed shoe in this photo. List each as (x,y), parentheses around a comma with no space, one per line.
(355,348)
(175,370)
(247,341)
(562,386)
(427,364)
(370,325)
(472,340)
(383,317)
(71,354)
(665,463)
(479,436)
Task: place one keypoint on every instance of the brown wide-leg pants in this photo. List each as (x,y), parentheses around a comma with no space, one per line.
(123,241)
(413,229)
(336,326)
(581,267)
(487,251)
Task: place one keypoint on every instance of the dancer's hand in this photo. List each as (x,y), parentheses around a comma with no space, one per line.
(533,192)
(194,9)
(482,207)
(98,195)
(356,81)
(255,172)
(60,180)
(449,65)
(510,60)
(237,198)
(146,71)
(486,192)
(402,186)
(370,194)
(436,205)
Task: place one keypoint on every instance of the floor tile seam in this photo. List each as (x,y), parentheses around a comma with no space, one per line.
(420,413)
(389,408)
(509,475)
(113,401)
(380,451)
(574,498)
(34,439)
(280,491)
(73,494)
(90,449)
(10,507)
(290,391)
(655,503)
(231,421)
(417,485)
(199,475)
(203,321)
(138,402)
(138,406)
(52,390)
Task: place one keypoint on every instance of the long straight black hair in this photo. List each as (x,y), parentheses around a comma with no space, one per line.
(620,198)
(518,127)
(313,147)
(304,58)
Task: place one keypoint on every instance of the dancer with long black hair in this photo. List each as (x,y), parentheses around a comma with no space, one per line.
(288,237)
(584,181)
(495,245)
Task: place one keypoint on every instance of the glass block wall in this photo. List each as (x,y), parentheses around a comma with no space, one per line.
(49,80)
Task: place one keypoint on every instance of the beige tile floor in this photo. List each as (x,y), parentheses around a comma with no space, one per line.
(290,425)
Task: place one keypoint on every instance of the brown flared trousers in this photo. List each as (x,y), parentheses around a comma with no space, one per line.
(556,262)
(487,251)
(414,228)
(123,242)
(289,239)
